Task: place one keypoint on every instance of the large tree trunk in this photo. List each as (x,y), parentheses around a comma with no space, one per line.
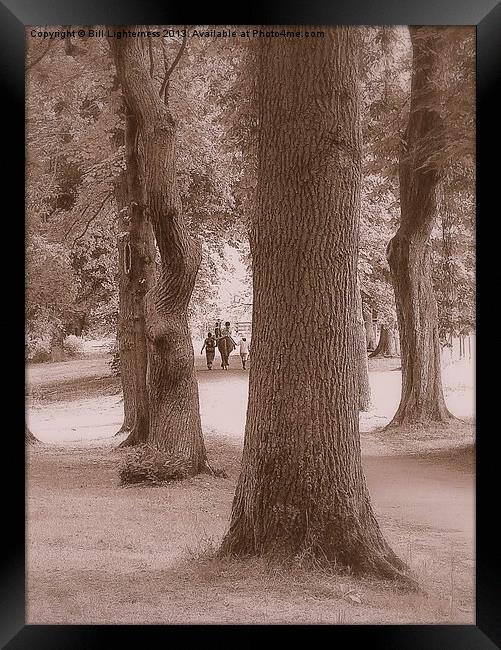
(137,251)
(364,389)
(388,343)
(450,297)
(174,422)
(369,328)
(409,252)
(125,325)
(302,489)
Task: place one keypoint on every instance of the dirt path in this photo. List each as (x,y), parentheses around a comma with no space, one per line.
(80,400)
(425,503)
(432,490)
(427,489)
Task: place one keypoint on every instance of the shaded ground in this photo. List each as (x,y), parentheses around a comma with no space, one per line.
(99,553)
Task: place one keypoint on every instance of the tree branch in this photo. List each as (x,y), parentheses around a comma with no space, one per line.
(168,72)
(92,219)
(75,222)
(178,250)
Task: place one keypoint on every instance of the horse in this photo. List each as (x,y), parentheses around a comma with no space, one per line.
(225,345)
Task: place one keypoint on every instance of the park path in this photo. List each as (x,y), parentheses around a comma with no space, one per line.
(431,490)
(79,400)
(428,490)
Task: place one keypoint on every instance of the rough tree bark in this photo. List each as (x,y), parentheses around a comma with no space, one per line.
(369,328)
(302,489)
(125,328)
(409,252)
(136,252)
(364,388)
(396,342)
(448,242)
(174,417)
(388,343)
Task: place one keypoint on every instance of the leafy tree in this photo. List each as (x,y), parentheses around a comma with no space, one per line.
(385,71)
(174,418)
(205,176)
(70,123)
(50,296)
(453,256)
(430,144)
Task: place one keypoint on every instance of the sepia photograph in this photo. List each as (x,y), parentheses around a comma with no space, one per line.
(250,324)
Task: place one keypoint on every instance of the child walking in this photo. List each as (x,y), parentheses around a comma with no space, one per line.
(210,349)
(244,351)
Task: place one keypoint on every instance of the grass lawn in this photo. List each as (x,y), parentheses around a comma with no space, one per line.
(101,553)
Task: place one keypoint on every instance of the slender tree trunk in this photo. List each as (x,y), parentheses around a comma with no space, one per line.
(364,389)
(56,346)
(409,252)
(387,345)
(369,328)
(392,342)
(137,276)
(302,489)
(174,417)
(396,342)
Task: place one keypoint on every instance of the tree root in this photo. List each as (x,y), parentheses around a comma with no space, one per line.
(410,421)
(123,429)
(361,561)
(133,439)
(389,568)
(213,471)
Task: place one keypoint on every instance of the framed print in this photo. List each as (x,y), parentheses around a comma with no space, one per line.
(249,315)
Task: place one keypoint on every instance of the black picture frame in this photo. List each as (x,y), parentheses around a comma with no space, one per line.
(14,16)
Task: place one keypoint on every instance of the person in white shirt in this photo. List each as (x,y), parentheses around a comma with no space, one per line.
(244,351)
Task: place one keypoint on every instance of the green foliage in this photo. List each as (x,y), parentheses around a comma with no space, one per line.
(75,133)
(50,294)
(146,464)
(94,262)
(453,249)
(72,346)
(50,279)
(43,328)
(73,156)
(386,71)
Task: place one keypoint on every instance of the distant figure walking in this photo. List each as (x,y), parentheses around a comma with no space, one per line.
(217,330)
(210,349)
(244,351)
(226,345)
